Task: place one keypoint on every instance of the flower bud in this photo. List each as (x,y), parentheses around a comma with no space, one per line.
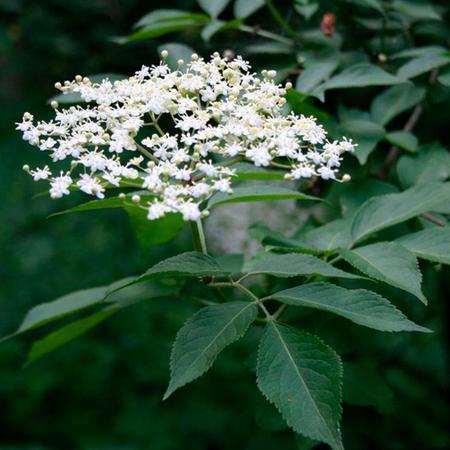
(54,104)
(164,54)
(26,167)
(122,196)
(136,198)
(346,178)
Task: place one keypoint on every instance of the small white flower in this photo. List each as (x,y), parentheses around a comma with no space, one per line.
(218,110)
(190,211)
(40,174)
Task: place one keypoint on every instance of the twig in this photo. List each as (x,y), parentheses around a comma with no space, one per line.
(433,219)
(410,124)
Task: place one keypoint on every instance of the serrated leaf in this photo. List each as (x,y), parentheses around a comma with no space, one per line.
(361,75)
(394,101)
(293,265)
(421,65)
(257,194)
(66,334)
(432,162)
(204,336)
(387,210)
(358,305)
(403,139)
(245,8)
(302,376)
(333,235)
(432,244)
(189,264)
(213,7)
(390,263)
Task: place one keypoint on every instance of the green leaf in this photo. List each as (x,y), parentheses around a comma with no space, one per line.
(354,194)
(387,210)
(417,52)
(176,52)
(66,334)
(213,7)
(317,70)
(293,265)
(157,29)
(245,8)
(248,171)
(302,377)
(333,235)
(366,133)
(361,75)
(159,16)
(432,162)
(390,263)
(416,10)
(154,232)
(189,264)
(231,262)
(204,336)
(394,101)
(62,306)
(257,193)
(358,305)
(421,65)
(106,203)
(374,4)
(432,244)
(364,386)
(403,139)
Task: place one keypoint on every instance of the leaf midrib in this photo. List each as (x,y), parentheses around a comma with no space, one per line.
(303,382)
(218,334)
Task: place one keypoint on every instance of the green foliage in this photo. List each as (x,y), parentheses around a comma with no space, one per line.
(302,376)
(385,71)
(432,244)
(293,265)
(204,336)
(359,305)
(390,263)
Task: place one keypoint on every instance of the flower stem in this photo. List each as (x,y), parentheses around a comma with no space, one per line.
(198,237)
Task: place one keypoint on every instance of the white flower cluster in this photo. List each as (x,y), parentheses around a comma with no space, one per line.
(217,113)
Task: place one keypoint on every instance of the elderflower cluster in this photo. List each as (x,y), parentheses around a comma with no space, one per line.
(215,113)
